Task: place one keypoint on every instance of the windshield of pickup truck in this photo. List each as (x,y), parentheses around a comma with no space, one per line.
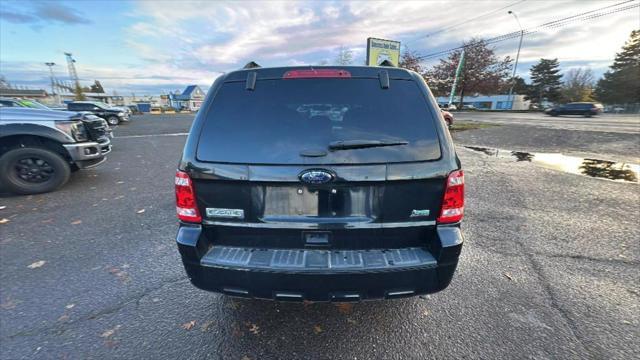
(282,121)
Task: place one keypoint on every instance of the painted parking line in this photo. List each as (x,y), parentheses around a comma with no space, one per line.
(149,135)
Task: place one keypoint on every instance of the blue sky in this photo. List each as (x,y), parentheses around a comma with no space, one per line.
(149,47)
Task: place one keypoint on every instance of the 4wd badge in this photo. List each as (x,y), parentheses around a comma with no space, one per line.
(225,213)
(420,213)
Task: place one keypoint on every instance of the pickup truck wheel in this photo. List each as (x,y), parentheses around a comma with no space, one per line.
(113,120)
(32,170)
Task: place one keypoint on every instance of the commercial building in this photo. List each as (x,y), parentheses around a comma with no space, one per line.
(490,102)
(190,99)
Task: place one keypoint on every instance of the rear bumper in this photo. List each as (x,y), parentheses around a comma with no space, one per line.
(320,275)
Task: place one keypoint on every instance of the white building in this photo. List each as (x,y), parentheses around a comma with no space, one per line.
(490,102)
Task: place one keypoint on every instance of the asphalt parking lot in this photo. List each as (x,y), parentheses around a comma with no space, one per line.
(549,268)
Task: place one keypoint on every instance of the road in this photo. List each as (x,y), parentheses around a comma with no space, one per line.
(613,123)
(549,270)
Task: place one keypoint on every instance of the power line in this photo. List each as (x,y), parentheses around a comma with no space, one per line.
(589,15)
(464,22)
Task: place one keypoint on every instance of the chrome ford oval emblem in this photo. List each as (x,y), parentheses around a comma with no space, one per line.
(316,176)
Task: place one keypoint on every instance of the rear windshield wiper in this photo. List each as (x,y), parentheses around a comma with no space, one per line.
(362,144)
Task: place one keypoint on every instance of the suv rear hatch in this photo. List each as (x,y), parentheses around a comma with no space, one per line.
(374,146)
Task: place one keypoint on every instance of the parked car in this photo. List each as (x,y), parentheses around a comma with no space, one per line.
(125,109)
(448,118)
(113,115)
(134,109)
(586,109)
(40,148)
(320,184)
(24,103)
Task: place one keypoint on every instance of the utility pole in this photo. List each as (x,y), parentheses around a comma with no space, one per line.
(50,65)
(455,79)
(515,66)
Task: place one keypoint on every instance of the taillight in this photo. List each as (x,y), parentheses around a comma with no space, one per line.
(186,198)
(453,201)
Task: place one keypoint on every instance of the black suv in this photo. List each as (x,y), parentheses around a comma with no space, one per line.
(320,184)
(40,148)
(586,109)
(113,115)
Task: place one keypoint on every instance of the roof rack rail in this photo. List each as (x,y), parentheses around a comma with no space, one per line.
(387,63)
(251,65)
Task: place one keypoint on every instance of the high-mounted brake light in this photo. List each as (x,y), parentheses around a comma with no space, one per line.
(316,73)
(186,198)
(453,201)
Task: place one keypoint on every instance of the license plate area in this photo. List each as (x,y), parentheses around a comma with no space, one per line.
(316,238)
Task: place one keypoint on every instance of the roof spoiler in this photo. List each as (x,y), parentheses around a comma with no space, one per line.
(251,65)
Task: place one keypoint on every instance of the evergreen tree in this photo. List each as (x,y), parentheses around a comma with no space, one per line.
(621,84)
(545,81)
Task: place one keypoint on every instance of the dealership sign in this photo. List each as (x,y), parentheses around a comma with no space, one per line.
(379,50)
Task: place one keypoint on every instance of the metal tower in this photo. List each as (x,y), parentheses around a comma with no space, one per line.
(50,65)
(72,69)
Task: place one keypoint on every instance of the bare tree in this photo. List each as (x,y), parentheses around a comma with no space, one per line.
(410,60)
(483,71)
(578,85)
(344,57)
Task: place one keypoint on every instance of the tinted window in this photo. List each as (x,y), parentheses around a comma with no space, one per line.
(76,107)
(282,118)
(7,103)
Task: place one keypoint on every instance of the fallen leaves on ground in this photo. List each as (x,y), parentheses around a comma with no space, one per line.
(46,221)
(63,318)
(36,264)
(206,325)
(189,325)
(9,303)
(76,222)
(110,332)
(345,308)
(120,274)
(4,220)
(253,328)
(317,329)
(508,276)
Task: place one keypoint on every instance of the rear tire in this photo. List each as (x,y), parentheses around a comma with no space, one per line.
(32,170)
(113,120)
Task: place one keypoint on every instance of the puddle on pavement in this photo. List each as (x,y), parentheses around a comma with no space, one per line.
(603,169)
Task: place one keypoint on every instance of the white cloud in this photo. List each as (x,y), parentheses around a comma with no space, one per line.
(193,41)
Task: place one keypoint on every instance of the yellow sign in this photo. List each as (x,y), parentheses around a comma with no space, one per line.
(379,50)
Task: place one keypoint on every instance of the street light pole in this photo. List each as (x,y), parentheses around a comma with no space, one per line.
(50,65)
(515,66)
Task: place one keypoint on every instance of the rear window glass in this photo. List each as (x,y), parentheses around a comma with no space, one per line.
(282,119)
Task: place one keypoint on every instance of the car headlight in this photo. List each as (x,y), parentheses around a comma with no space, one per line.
(121,113)
(75,129)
